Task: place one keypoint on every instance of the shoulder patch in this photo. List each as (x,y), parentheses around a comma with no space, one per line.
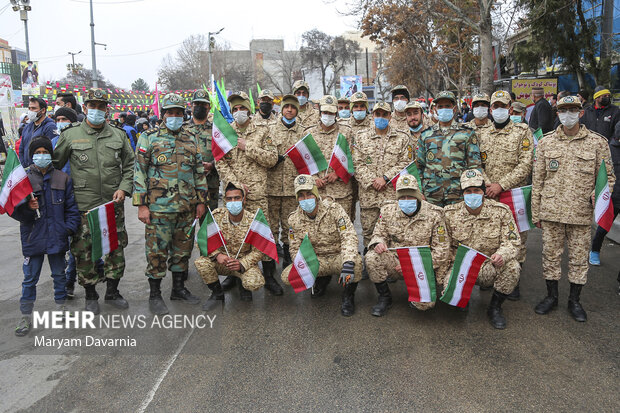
(150,131)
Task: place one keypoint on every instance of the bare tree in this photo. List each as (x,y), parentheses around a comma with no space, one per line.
(281,72)
(188,69)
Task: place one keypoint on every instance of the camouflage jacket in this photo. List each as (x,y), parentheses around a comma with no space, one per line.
(309,117)
(234,236)
(258,120)
(204,137)
(399,121)
(282,176)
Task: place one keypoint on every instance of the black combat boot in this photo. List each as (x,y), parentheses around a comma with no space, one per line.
(179,292)
(70,289)
(574,306)
(348,300)
(185,275)
(244,295)
(515,295)
(217,295)
(320,286)
(228,283)
(286,256)
(156,302)
(494,311)
(112,296)
(271,285)
(92,304)
(385,299)
(551,300)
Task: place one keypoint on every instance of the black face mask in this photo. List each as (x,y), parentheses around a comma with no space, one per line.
(605,101)
(200,112)
(265,107)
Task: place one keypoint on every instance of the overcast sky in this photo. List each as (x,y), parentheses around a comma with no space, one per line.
(139,33)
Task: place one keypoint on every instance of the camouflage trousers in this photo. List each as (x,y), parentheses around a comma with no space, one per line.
(578,242)
(167,240)
(280,207)
(503,279)
(522,249)
(251,279)
(330,265)
(369,217)
(214,198)
(382,266)
(346,203)
(81,248)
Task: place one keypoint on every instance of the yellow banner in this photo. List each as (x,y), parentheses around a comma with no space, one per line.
(522,88)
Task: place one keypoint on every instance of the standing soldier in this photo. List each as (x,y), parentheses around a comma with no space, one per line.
(408,222)
(325,133)
(417,123)
(308,116)
(333,238)
(265,115)
(400,98)
(101,162)
(444,151)
(247,164)
(170,190)
(344,109)
(281,192)
(567,163)
(480,108)
(201,127)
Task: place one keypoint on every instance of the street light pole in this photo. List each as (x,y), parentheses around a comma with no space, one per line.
(92,45)
(24,15)
(23,7)
(210,52)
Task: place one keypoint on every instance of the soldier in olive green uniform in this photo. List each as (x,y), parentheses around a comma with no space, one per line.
(170,190)
(308,115)
(265,116)
(101,162)
(444,151)
(201,126)
(400,98)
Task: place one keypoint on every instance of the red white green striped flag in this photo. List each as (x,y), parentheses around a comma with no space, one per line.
(15,184)
(305,267)
(307,156)
(603,207)
(224,136)
(342,161)
(417,266)
(260,236)
(519,200)
(209,235)
(411,169)
(538,134)
(102,225)
(465,271)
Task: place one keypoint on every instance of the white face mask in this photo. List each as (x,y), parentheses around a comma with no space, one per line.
(500,115)
(328,120)
(569,119)
(32,116)
(399,105)
(241,117)
(481,112)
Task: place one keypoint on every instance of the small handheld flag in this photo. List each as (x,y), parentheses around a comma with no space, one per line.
(307,156)
(342,161)
(305,267)
(417,266)
(603,207)
(467,264)
(519,200)
(102,225)
(224,136)
(209,236)
(411,169)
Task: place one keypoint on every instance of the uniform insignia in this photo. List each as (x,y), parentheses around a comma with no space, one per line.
(526,144)
(83,157)
(512,236)
(430,156)
(141,149)
(329,100)
(268,141)
(483,156)
(474,140)
(291,234)
(441,231)
(98,93)
(162,158)
(554,165)
(342,225)
(406,180)
(301,180)
(410,150)
(470,174)
(511,226)
(368,160)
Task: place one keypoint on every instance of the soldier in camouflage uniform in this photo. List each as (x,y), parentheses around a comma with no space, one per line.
(380,154)
(308,115)
(247,163)
(101,162)
(400,98)
(234,222)
(410,221)
(281,192)
(265,115)
(444,152)
(201,126)
(480,105)
(417,123)
(486,226)
(325,133)
(565,170)
(170,190)
(333,238)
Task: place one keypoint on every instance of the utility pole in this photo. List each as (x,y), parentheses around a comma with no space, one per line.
(72,66)
(211,44)
(92,45)
(23,7)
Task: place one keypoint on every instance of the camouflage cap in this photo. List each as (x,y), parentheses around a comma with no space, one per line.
(237,185)
(289,100)
(305,182)
(358,97)
(414,104)
(400,88)
(301,84)
(172,100)
(98,95)
(471,177)
(328,103)
(407,185)
(569,101)
(266,93)
(240,98)
(445,94)
(344,100)
(481,97)
(501,96)
(518,107)
(201,95)
(383,106)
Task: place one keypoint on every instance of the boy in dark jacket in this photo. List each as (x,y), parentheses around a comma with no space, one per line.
(47,234)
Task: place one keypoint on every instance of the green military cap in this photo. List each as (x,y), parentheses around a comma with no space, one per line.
(201,95)
(471,177)
(328,103)
(407,185)
(383,106)
(569,101)
(400,90)
(266,93)
(306,183)
(301,84)
(172,100)
(95,94)
(240,98)
(445,94)
(518,107)
(414,104)
(481,97)
(501,96)
(289,100)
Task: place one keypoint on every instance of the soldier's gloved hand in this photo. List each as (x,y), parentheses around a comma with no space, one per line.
(347,273)
(281,158)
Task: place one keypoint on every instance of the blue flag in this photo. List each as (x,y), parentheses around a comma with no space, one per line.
(223,104)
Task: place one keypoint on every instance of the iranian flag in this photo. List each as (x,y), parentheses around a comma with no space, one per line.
(102,224)
(411,169)
(603,208)
(519,200)
(417,266)
(307,156)
(224,136)
(538,134)
(342,161)
(305,267)
(260,236)
(15,185)
(465,271)
(209,235)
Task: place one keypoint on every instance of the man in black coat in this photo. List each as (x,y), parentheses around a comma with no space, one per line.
(542,114)
(603,116)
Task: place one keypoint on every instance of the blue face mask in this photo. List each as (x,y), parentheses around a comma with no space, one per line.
(359,114)
(416,129)
(445,115)
(473,200)
(308,205)
(174,123)
(344,113)
(42,160)
(61,125)
(234,207)
(289,122)
(381,123)
(302,100)
(408,206)
(95,116)
(516,119)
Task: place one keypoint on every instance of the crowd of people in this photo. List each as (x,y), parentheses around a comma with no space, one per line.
(79,159)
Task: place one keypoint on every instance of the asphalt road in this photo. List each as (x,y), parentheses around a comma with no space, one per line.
(293,353)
